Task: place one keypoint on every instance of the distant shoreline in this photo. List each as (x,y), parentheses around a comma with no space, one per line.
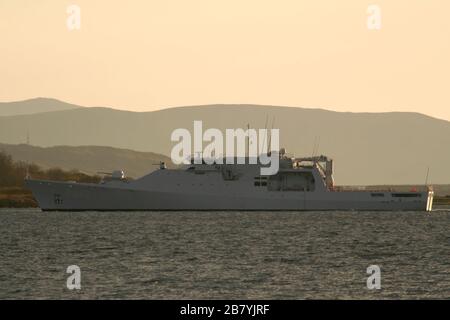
(16,197)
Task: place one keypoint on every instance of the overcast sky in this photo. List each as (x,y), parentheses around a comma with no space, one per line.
(148,54)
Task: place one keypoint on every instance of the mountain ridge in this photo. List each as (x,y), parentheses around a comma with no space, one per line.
(34,106)
(368,148)
(70,106)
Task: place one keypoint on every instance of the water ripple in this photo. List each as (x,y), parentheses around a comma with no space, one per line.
(228,255)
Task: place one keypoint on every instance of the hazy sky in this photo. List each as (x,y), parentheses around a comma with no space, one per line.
(146,55)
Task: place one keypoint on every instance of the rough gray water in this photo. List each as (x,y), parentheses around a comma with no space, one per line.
(224,255)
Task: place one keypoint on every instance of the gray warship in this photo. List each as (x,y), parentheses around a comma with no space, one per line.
(301,184)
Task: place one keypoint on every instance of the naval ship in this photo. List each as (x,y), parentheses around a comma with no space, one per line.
(300,184)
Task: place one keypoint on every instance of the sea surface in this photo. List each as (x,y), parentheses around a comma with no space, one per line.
(224,255)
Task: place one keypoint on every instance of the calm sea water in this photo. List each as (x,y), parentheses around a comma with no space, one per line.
(228,255)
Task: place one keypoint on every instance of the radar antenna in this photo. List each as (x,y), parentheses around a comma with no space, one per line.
(270,137)
(426,178)
(265,129)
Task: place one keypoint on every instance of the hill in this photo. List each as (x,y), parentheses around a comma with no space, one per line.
(33,106)
(368,148)
(87,159)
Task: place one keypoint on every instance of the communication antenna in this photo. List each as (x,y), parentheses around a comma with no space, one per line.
(265,128)
(316,145)
(248,141)
(426,178)
(28,137)
(270,136)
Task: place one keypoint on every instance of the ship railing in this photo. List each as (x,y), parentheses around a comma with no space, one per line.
(380,189)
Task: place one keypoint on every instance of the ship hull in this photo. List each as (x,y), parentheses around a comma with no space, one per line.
(65,196)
